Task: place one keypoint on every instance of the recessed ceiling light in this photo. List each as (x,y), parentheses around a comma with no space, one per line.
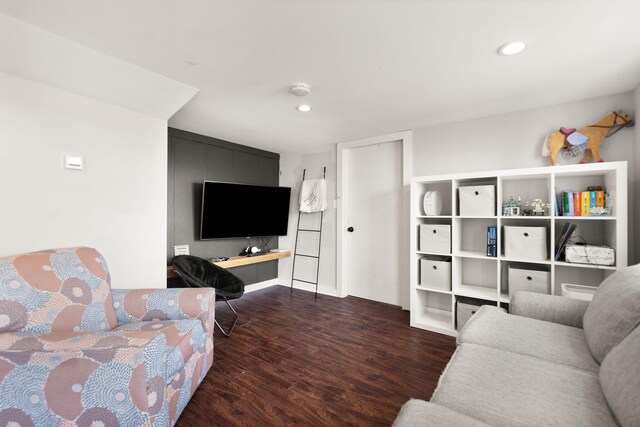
(304,108)
(512,48)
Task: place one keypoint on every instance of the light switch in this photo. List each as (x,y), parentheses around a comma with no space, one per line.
(72,161)
(181,250)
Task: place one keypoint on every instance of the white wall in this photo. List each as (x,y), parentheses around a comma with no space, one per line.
(292,166)
(634,217)
(514,140)
(118,204)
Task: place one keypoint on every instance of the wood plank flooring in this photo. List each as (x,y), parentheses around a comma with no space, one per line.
(293,360)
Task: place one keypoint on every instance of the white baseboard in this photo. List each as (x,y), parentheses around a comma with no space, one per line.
(297,287)
(306,287)
(311,288)
(260,285)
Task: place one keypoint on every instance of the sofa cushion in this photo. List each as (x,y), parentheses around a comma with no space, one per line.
(620,379)
(62,290)
(183,339)
(614,311)
(492,327)
(504,388)
(418,413)
(550,308)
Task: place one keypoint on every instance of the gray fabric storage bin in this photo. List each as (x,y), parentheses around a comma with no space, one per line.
(529,278)
(525,243)
(435,238)
(435,272)
(467,307)
(478,200)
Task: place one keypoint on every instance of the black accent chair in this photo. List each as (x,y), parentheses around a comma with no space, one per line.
(200,273)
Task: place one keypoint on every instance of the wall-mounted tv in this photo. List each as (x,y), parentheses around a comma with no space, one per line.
(239,210)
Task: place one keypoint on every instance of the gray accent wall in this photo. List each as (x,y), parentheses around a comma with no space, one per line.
(194,158)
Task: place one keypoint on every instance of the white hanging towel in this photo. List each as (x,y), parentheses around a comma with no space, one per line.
(313,195)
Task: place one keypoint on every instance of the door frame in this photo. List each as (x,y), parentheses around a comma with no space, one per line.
(343,150)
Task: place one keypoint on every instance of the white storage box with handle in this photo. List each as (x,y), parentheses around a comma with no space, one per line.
(435,272)
(529,279)
(435,238)
(479,200)
(467,307)
(582,292)
(525,243)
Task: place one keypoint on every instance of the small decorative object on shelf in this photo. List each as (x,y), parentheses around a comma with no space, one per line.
(587,140)
(598,211)
(539,207)
(432,203)
(511,208)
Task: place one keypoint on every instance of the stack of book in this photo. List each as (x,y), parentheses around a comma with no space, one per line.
(492,241)
(581,203)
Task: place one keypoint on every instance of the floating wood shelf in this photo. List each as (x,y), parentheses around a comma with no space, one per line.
(238,261)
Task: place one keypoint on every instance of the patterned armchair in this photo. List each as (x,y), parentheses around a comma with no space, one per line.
(74,351)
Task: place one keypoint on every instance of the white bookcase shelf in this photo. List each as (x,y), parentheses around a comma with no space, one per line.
(476,275)
(428,289)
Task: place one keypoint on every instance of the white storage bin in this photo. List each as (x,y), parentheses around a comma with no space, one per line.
(581,292)
(525,243)
(467,307)
(479,200)
(435,238)
(528,279)
(435,272)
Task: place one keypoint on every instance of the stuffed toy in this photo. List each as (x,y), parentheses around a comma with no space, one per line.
(586,140)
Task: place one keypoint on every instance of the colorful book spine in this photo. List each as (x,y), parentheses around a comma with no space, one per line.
(586,203)
(593,199)
(577,204)
(572,204)
(565,203)
(492,241)
(600,199)
(488,241)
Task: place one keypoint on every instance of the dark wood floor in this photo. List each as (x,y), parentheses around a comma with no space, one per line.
(335,361)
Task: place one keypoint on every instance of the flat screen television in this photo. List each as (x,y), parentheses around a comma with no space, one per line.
(240,210)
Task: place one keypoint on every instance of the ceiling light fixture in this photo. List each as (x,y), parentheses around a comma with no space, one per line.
(305,108)
(512,48)
(300,89)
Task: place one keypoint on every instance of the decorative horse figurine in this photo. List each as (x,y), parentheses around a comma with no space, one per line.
(589,138)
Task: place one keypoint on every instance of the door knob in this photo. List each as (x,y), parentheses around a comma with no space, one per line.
(350,229)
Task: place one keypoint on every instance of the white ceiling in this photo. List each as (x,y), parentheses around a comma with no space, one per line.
(375,66)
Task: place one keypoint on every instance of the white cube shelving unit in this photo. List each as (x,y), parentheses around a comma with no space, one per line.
(473,273)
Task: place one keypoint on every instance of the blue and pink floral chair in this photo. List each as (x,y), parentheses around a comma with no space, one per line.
(73,351)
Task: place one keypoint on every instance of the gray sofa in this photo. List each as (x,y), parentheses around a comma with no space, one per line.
(553,361)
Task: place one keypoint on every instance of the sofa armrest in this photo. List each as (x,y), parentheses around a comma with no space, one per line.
(134,305)
(550,308)
(419,413)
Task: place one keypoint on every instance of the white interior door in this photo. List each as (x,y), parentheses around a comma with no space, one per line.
(374,212)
